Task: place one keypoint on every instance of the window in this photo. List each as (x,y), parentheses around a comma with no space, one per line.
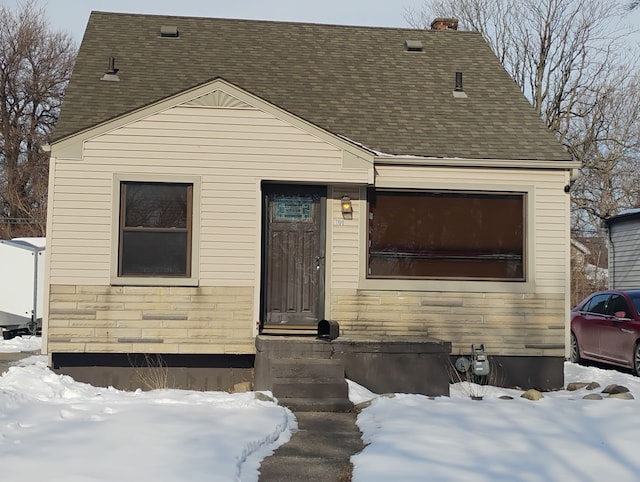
(617,304)
(155,229)
(446,235)
(597,304)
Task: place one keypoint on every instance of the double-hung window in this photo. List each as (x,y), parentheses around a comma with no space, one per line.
(155,229)
(462,235)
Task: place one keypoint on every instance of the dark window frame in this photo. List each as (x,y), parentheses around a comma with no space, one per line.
(423,258)
(184,227)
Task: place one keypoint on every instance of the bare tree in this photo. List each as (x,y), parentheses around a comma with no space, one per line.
(35,66)
(607,142)
(570,59)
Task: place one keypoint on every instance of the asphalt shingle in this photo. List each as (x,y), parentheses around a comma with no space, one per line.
(357,82)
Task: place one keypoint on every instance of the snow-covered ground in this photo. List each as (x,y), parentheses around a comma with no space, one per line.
(20,343)
(55,429)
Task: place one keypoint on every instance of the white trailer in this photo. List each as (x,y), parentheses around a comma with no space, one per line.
(21,286)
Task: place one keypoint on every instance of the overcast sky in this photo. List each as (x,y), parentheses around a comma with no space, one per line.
(72,15)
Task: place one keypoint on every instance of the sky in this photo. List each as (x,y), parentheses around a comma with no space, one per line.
(54,429)
(72,15)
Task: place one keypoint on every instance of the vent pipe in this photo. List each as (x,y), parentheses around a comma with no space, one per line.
(112,73)
(459,82)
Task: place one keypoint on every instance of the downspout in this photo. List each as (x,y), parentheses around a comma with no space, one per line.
(34,312)
(612,258)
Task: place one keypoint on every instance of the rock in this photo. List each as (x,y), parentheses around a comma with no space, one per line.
(242,387)
(505,397)
(263,397)
(532,394)
(611,389)
(622,395)
(361,406)
(573,386)
(592,396)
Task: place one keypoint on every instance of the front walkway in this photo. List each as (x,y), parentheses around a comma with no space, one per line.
(319,451)
(7,359)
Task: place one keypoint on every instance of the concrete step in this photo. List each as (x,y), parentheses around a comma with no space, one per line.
(321,422)
(301,468)
(294,347)
(323,448)
(297,404)
(310,388)
(307,368)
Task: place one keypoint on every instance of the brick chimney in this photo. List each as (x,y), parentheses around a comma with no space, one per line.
(444,24)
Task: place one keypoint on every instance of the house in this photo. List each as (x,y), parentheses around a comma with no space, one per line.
(218,186)
(587,274)
(623,241)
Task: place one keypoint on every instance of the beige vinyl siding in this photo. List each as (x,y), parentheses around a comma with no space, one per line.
(517,321)
(549,225)
(230,150)
(344,236)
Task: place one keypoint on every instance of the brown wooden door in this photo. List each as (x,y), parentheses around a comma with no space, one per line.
(293,281)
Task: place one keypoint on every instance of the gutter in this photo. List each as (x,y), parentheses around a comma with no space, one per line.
(382,160)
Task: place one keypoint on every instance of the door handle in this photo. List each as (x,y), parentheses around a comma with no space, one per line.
(319,259)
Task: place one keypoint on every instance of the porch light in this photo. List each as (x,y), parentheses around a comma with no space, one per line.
(345,203)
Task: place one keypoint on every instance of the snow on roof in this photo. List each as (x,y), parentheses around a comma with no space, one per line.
(36,242)
(629,211)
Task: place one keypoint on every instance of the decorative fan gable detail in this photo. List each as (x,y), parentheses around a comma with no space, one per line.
(220,99)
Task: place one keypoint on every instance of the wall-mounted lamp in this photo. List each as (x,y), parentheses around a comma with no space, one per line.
(345,203)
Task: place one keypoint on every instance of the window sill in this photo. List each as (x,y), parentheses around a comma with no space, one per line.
(153,281)
(447,285)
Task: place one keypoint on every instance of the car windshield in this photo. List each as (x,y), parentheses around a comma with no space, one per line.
(635,299)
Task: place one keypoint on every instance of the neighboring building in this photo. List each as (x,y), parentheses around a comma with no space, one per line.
(623,239)
(587,274)
(213,179)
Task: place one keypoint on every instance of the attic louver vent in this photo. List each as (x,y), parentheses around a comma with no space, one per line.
(170,31)
(413,45)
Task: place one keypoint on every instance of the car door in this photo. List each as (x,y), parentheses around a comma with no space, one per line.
(617,331)
(585,324)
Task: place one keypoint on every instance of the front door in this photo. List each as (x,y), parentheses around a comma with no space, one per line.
(293,247)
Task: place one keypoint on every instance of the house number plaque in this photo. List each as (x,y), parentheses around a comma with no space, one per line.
(292,209)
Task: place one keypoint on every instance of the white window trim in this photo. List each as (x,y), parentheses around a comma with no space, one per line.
(447,285)
(192,280)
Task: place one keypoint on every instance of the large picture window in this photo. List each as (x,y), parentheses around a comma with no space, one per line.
(446,235)
(155,229)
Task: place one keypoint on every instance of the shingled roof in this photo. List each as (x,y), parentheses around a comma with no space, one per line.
(357,82)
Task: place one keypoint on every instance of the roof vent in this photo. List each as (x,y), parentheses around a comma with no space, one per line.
(444,24)
(169,31)
(413,45)
(458,91)
(111,74)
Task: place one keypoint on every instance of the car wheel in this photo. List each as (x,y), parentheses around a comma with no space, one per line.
(574,357)
(636,359)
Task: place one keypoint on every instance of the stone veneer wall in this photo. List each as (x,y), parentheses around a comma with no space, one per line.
(135,319)
(508,324)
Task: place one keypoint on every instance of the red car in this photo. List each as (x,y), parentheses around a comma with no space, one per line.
(605,327)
